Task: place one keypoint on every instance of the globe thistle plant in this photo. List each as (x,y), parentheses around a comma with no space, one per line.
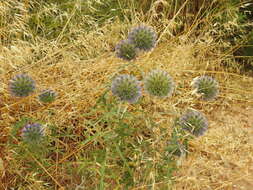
(47,96)
(194,122)
(143,37)
(176,148)
(33,133)
(206,87)
(126,50)
(126,88)
(159,83)
(21,85)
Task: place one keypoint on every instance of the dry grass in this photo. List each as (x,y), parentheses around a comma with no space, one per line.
(79,72)
(223,158)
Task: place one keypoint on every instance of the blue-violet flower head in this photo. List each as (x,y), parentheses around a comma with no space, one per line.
(21,85)
(126,88)
(33,133)
(47,96)
(159,83)
(143,37)
(206,87)
(126,50)
(194,122)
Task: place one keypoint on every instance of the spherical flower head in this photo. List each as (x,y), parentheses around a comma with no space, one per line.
(159,83)
(126,50)
(194,122)
(206,87)
(33,133)
(126,88)
(143,37)
(21,85)
(47,96)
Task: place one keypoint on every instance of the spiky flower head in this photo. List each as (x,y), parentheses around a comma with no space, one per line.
(143,37)
(127,88)
(33,133)
(194,122)
(21,85)
(47,96)
(126,50)
(159,83)
(206,86)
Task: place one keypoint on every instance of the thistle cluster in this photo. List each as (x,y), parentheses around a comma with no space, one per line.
(206,87)
(156,83)
(139,38)
(21,85)
(33,133)
(194,122)
(47,96)
(126,88)
(159,83)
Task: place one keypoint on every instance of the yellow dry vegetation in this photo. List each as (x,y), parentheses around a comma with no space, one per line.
(223,158)
(220,160)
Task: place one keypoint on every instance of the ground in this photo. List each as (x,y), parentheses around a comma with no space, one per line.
(223,159)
